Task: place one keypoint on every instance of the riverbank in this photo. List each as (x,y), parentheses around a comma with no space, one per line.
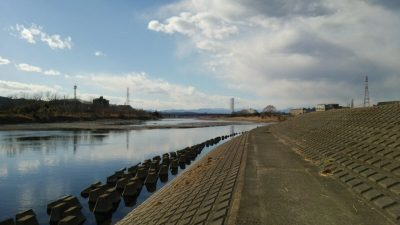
(115,124)
(251,180)
(250,119)
(333,167)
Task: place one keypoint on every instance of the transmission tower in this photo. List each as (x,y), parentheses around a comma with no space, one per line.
(232,105)
(75,87)
(366,93)
(127,96)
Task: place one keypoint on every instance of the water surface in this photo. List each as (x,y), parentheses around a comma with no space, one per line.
(37,167)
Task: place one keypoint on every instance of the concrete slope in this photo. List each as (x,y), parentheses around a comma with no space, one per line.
(280,187)
(359,147)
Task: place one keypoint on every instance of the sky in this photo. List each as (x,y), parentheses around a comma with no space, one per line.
(191,54)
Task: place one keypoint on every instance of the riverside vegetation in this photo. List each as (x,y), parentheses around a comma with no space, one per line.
(35,109)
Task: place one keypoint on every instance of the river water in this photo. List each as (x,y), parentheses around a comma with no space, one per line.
(37,167)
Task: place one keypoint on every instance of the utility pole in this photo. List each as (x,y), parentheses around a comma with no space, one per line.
(232,105)
(127,97)
(75,87)
(366,93)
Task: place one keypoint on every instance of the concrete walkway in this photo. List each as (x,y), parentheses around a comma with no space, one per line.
(280,187)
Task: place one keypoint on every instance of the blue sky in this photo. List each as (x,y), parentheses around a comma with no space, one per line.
(194,54)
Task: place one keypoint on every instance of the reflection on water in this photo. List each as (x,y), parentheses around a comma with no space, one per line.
(37,167)
(178,121)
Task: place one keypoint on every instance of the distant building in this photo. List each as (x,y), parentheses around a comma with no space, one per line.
(100,102)
(326,107)
(299,111)
(248,111)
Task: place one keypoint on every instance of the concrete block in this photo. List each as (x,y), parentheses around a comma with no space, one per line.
(372,194)
(354,182)
(384,202)
(377,177)
(112,180)
(9,221)
(57,212)
(388,182)
(133,169)
(163,173)
(151,181)
(120,173)
(72,201)
(94,194)
(85,192)
(56,202)
(157,158)
(362,188)
(394,211)
(121,183)
(25,213)
(142,172)
(73,212)
(71,220)
(131,190)
(27,220)
(151,178)
(138,181)
(104,204)
(114,195)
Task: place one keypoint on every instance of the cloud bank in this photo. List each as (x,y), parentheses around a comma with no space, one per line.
(149,93)
(8,88)
(293,52)
(35,33)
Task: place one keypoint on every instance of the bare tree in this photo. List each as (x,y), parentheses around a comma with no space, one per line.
(38,96)
(269,110)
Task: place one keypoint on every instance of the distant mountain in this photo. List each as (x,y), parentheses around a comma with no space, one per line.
(210,111)
(199,111)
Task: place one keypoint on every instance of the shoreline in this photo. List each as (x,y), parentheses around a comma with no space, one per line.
(114,125)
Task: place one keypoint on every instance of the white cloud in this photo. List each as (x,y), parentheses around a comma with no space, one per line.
(198,26)
(55,41)
(35,69)
(52,72)
(99,53)
(28,68)
(11,87)
(290,52)
(35,33)
(4,61)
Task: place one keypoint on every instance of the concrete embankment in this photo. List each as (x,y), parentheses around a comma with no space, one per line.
(359,147)
(202,194)
(337,167)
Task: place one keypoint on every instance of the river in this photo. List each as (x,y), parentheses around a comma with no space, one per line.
(37,167)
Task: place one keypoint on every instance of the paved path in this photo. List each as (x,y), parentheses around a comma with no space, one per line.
(201,195)
(282,188)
